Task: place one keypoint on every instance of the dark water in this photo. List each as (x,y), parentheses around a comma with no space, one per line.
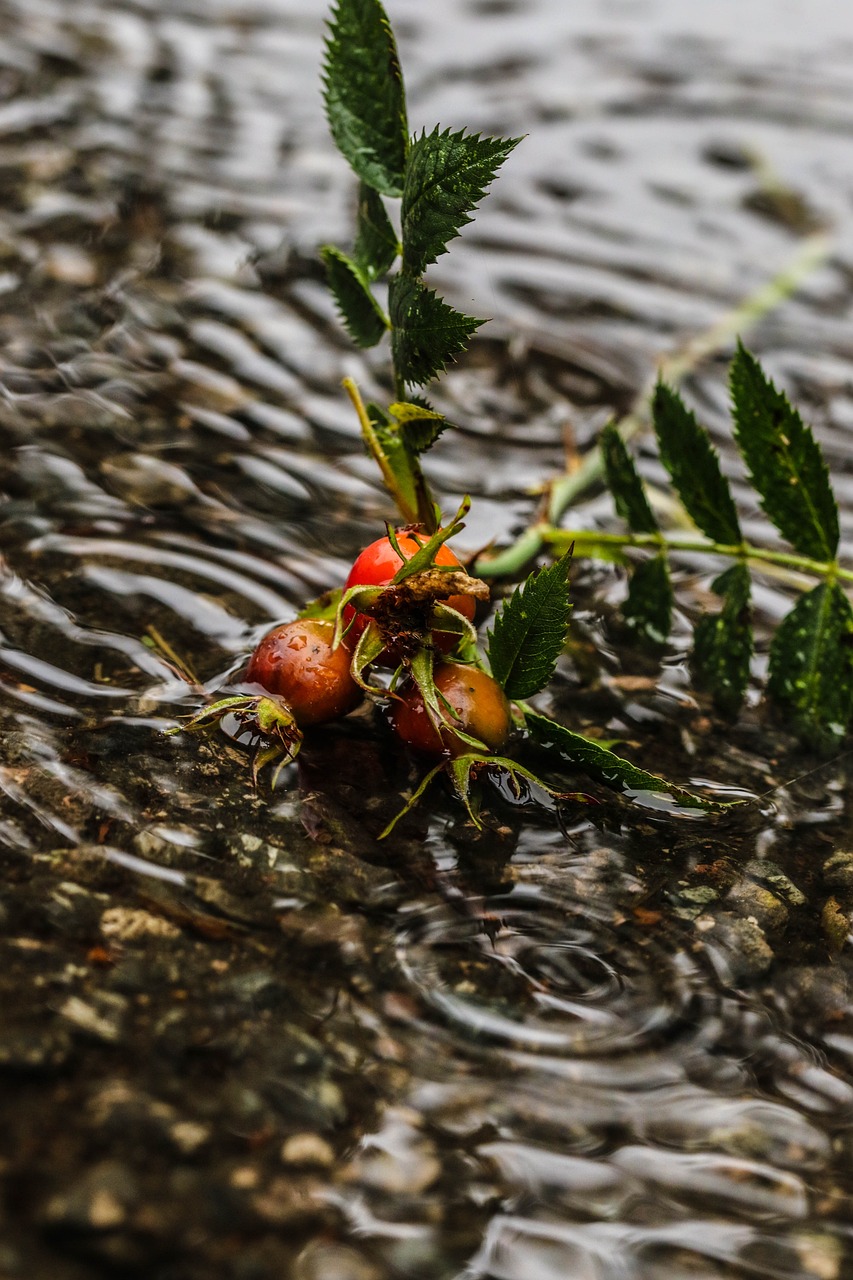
(240,1037)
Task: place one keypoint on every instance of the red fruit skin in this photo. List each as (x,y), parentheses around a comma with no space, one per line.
(296,661)
(376,566)
(477,699)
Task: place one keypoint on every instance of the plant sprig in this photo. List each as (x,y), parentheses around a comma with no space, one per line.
(439,177)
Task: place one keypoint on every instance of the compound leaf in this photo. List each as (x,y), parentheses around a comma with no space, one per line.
(361,314)
(446,178)
(692,461)
(811,665)
(364,95)
(426,333)
(605,766)
(648,607)
(784,459)
(530,631)
(376,244)
(722,644)
(624,483)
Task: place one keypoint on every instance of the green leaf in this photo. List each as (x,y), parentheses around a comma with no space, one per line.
(420,426)
(446,178)
(364,95)
(811,665)
(622,776)
(362,315)
(426,333)
(324,607)
(376,244)
(624,483)
(784,459)
(693,463)
(530,631)
(648,607)
(722,644)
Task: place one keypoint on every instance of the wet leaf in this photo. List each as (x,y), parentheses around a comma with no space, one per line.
(376,244)
(446,178)
(361,314)
(622,776)
(786,465)
(811,665)
(530,631)
(364,95)
(624,482)
(426,333)
(648,607)
(694,465)
(722,645)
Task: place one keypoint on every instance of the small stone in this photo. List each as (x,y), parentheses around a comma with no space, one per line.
(189,1135)
(321,1261)
(838,874)
(128,924)
(307,1149)
(102,1017)
(756,902)
(99,1201)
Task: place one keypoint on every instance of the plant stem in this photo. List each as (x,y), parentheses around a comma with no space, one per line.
(565,490)
(586,540)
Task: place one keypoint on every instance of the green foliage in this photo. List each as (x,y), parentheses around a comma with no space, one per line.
(362,316)
(364,94)
(722,645)
(426,333)
(376,244)
(530,631)
(648,608)
(784,460)
(420,425)
(624,483)
(605,766)
(446,178)
(811,658)
(811,665)
(692,462)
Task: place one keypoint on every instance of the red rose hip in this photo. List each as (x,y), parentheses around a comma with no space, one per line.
(297,662)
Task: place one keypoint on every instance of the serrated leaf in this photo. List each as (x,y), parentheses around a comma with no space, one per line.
(624,483)
(785,463)
(530,631)
(376,244)
(722,644)
(693,463)
(426,333)
(420,426)
(362,315)
(605,766)
(648,607)
(364,95)
(811,665)
(446,178)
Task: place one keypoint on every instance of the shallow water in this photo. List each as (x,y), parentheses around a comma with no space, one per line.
(240,1037)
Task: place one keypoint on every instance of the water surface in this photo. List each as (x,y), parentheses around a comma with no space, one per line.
(241,1037)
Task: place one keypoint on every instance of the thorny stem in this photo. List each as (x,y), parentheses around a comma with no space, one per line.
(565,490)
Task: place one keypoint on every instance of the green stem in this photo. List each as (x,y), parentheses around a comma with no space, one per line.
(566,490)
(586,540)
